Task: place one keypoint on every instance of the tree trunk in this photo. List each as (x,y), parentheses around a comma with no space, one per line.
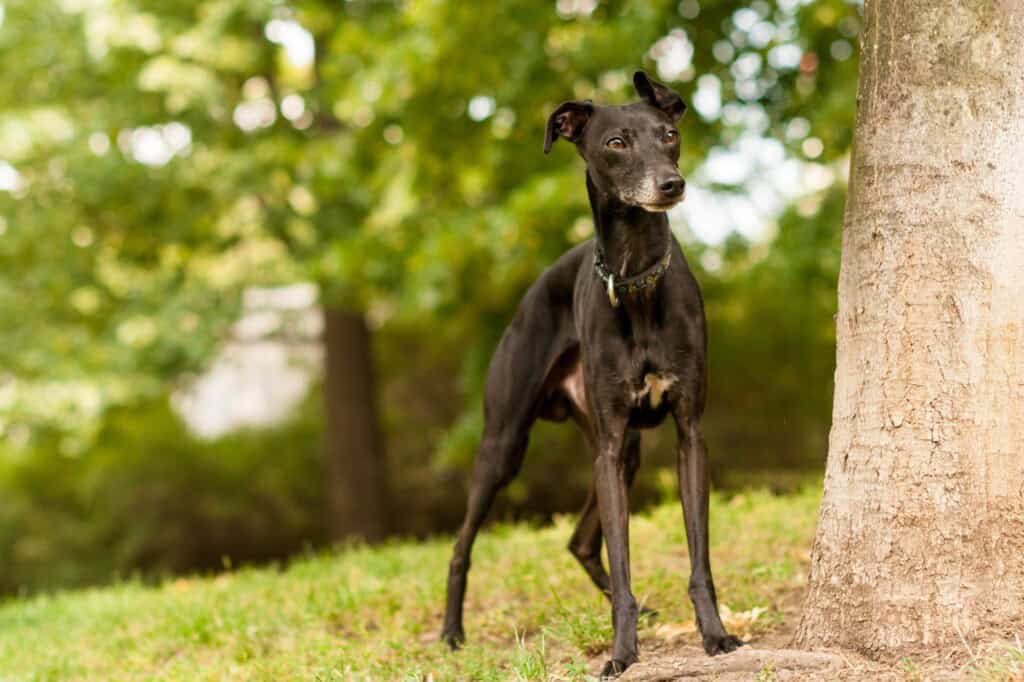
(356,469)
(920,539)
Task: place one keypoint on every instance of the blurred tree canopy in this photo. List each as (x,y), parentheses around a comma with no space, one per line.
(158,156)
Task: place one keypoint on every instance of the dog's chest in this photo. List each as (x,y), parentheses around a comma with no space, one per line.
(648,391)
(651,392)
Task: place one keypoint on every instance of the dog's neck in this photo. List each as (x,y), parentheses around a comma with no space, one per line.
(629,238)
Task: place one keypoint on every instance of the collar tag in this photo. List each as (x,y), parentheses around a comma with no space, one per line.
(611,291)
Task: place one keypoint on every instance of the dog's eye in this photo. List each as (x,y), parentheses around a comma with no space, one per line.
(671,137)
(616,143)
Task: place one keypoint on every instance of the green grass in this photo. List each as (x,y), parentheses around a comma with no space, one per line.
(1001,661)
(374,613)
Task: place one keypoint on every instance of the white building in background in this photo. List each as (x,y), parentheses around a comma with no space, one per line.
(265,369)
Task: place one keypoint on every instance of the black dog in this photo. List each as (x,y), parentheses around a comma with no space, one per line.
(612,335)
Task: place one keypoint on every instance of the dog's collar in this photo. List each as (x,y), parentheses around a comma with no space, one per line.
(629,285)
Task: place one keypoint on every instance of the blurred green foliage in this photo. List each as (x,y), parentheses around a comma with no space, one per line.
(149,498)
(169,154)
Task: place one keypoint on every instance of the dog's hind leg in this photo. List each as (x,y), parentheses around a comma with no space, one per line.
(520,386)
(585,543)
(517,385)
(501,455)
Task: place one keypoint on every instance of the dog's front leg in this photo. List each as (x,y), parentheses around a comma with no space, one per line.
(694,489)
(613,504)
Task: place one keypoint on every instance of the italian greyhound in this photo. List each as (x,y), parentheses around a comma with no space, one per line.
(612,336)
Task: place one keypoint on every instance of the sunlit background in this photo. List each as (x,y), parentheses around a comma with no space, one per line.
(215,213)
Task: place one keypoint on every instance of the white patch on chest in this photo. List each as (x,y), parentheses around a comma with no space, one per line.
(655,386)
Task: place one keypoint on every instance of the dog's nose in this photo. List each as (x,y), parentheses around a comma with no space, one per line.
(672,187)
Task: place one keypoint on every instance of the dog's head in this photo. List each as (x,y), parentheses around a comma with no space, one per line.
(632,151)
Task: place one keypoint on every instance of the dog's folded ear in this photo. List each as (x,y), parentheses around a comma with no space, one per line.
(568,121)
(657,95)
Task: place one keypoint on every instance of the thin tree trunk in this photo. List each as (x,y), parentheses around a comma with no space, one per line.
(356,469)
(920,539)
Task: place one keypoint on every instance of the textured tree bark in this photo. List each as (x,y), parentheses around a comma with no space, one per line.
(356,470)
(920,540)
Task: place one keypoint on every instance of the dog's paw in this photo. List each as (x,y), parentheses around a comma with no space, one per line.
(721,645)
(613,669)
(454,638)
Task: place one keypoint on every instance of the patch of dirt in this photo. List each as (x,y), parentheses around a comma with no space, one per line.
(751,663)
(671,653)
(766,656)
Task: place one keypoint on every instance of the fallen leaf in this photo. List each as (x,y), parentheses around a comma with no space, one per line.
(740,620)
(673,631)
